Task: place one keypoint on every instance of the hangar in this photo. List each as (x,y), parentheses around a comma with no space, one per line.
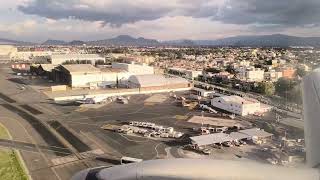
(152,81)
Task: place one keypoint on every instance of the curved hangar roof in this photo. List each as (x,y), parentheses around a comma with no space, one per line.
(155,80)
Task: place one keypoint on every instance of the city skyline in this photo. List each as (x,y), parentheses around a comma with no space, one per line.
(37,21)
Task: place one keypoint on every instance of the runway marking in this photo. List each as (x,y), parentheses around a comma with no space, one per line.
(82,109)
(157,150)
(90,124)
(149,103)
(33,141)
(128,139)
(181,117)
(97,144)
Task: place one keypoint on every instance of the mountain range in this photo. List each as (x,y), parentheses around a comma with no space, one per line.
(275,40)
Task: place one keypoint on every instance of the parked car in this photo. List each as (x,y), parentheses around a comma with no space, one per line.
(206,151)
(227,144)
(242,142)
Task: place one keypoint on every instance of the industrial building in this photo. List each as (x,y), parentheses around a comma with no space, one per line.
(154,82)
(57,59)
(189,74)
(236,105)
(205,140)
(44,70)
(20,67)
(256,135)
(6,51)
(202,92)
(42,56)
(87,76)
(133,68)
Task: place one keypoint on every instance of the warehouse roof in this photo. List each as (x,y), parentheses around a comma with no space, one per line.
(47,67)
(236,99)
(239,136)
(80,68)
(211,139)
(112,70)
(76,56)
(256,132)
(155,80)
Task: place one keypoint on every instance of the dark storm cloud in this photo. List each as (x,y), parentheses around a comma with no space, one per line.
(61,9)
(263,12)
(277,12)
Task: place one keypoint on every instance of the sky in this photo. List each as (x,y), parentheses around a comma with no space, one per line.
(39,20)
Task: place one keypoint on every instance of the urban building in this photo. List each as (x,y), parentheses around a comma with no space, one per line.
(6,51)
(20,67)
(254,75)
(30,55)
(202,92)
(189,74)
(272,75)
(288,72)
(250,74)
(236,105)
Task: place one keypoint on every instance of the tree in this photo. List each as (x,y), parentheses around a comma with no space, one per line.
(295,95)
(213,70)
(230,70)
(283,86)
(266,88)
(301,72)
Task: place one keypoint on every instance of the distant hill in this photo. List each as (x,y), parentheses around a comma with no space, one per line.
(14,42)
(76,43)
(54,42)
(275,40)
(182,42)
(125,40)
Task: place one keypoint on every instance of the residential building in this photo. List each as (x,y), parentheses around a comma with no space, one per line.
(272,75)
(251,74)
(288,72)
(189,74)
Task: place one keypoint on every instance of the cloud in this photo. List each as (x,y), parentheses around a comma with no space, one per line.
(270,12)
(121,11)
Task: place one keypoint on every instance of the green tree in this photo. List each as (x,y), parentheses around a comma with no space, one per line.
(230,70)
(295,95)
(301,72)
(213,70)
(266,88)
(283,86)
